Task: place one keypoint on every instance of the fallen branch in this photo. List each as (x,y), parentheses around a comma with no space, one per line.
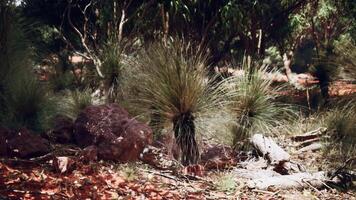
(310,135)
(308,142)
(266,192)
(295,181)
(312,147)
(161,174)
(269,149)
(255,174)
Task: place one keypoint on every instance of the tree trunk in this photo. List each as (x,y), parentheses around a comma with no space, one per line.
(184,132)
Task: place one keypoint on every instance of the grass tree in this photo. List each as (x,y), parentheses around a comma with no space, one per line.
(23,101)
(171,86)
(255,106)
(73,102)
(340,148)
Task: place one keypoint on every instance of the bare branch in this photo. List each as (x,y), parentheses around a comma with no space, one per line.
(121,24)
(72,25)
(83,37)
(86,7)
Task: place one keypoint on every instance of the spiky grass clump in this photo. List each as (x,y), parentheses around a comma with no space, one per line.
(74,102)
(255,107)
(23,101)
(225,182)
(113,66)
(346,50)
(63,81)
(129,171)
(302,125)
(172,87)
(341,145)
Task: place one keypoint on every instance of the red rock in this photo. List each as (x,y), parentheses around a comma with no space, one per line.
(24,144)
(168,144)
(218,157)
(116,136)
(63,130)
(3,141)
(193,170)
(89,154)
(158,158)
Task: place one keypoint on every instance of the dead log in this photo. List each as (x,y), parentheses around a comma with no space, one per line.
(286,168)
(269,149)
(310,135)
(312,147)
(295,181)
(308,142)
(256,173)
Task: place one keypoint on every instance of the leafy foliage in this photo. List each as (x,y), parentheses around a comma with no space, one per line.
(346,51)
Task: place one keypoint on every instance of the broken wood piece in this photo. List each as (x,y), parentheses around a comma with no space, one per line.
(286,168)
(269,149)
(63,164)
(312,147)
(295,181)
(255,174)
(308,142)
(310,135)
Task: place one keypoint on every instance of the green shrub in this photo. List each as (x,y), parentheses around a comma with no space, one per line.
(74,102)
(302,124)
(171,87)
(62,81)
(23,101)
(341,144)
(255,107)
(226,182)
(346,51)
(113,68)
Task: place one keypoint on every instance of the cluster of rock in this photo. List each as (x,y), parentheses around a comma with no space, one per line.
(105,130)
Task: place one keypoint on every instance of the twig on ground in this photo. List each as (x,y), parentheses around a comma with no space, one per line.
(266,192)
(310,135)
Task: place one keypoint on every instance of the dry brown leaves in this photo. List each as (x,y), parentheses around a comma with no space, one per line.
(90,181)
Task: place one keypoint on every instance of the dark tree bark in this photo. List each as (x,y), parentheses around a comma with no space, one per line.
(184,132)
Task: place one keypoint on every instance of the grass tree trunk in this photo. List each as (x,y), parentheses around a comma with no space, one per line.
(184,132)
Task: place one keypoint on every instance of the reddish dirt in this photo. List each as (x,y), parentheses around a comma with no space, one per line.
(34,181)
(342,88)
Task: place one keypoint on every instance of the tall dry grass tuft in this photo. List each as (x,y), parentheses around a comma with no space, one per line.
(23,101)
(171,87)
(255,106)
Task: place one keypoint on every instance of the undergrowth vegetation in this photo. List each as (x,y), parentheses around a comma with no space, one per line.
(226,183)
(255,107)
(166,82)
(73,102)
(24,102)
(113,69)
(346,49)
(340,147)
(173,87)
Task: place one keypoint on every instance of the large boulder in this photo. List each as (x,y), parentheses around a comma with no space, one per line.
(218,157)
(24,144)
(4,132)
(63,130)
(116,136)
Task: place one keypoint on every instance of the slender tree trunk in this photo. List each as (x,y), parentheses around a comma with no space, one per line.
(184,132)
